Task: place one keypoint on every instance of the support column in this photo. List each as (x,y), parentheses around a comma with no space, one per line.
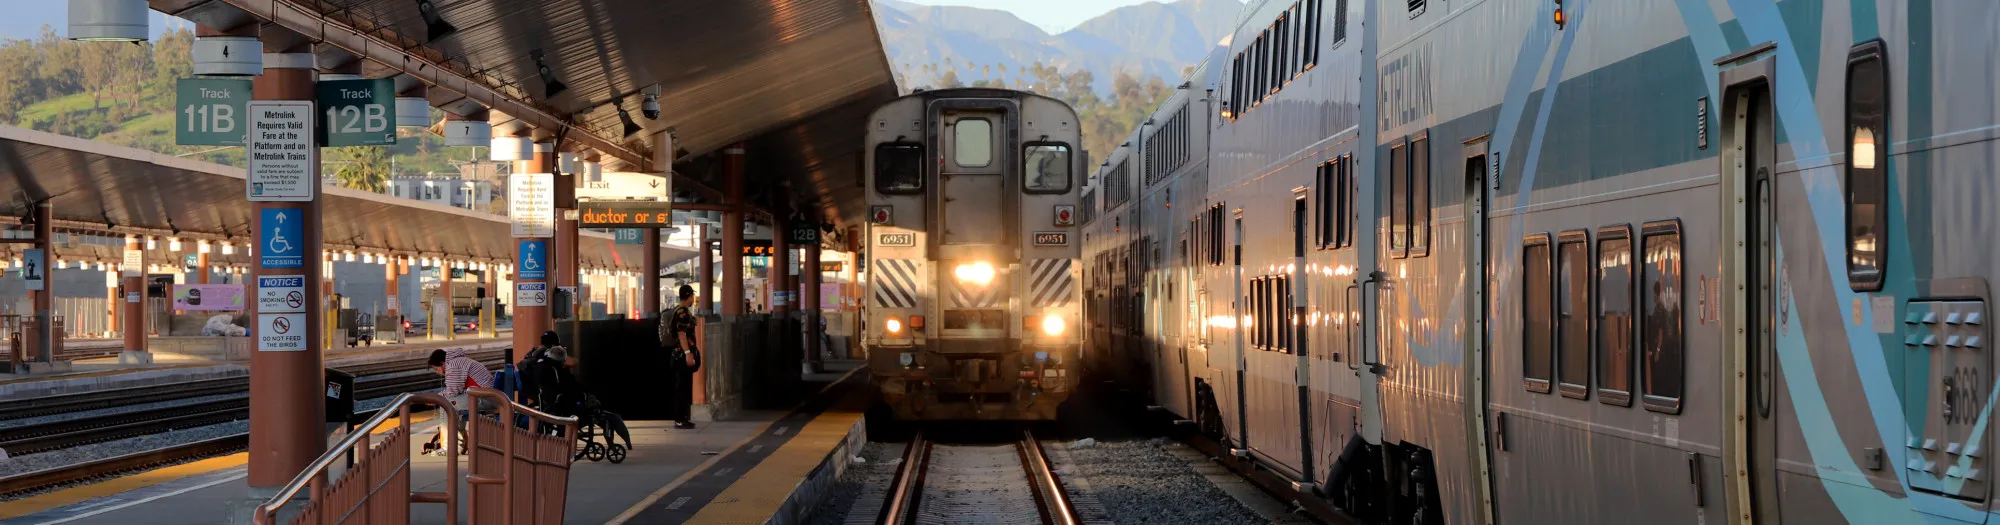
(447,330)
(392,274)
(287,409)
(134,308)
(531,321)
(781,266)
(809,302)
(649,273)
(201,266)
(45,300)
(705,263)
(565,271)
(732,231)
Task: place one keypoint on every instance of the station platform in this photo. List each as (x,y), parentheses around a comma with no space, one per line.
(105,373)
(756,467)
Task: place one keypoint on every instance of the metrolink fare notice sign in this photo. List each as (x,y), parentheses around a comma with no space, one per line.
(281,150)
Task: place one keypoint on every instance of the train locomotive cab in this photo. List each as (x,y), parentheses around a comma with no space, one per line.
(972,308)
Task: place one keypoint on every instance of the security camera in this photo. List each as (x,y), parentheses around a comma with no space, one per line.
(652,107)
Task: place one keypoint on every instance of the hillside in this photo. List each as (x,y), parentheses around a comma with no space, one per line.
(1145,40)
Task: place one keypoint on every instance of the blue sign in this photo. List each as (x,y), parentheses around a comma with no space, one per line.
(280,239)
(34,268)
(189,262)
(630,236)
(534,261)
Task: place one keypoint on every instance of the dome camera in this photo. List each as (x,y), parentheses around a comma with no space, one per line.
(651,108)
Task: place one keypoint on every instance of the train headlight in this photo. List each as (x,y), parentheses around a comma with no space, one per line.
(893,325)
(976,272)
(1053,325)
(906,359)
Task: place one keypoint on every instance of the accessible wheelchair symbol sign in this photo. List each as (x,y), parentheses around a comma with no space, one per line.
(534,260)
(280,240)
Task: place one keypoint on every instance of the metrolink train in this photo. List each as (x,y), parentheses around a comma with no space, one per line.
(973,280)
(1583,261)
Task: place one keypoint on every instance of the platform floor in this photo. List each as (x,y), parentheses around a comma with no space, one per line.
(669,477)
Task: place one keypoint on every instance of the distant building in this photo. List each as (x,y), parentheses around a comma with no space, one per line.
(456,192)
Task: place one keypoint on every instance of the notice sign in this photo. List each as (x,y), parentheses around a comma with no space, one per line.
(531,294)
(281,151)
(34,269)
(531,203)
(135,262)
(281,332)
(281,294)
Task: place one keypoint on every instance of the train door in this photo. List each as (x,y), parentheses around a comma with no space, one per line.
(1294,320)
(1240,301)
(1479,425)
(1748,160)
(972,177)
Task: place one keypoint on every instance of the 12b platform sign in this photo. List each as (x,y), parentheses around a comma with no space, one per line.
(357,112)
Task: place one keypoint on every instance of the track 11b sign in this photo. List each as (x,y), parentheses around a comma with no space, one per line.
(209,111)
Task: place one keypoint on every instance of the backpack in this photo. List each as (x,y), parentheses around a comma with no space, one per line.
(526,372)
(667,317)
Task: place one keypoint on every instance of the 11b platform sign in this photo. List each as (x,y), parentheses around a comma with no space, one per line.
(209,111)
(358,112)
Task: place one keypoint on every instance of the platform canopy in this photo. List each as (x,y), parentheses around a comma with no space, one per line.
(114,189)
(794,80)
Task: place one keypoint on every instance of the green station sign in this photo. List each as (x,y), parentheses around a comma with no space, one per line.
(357,112)
(209,111)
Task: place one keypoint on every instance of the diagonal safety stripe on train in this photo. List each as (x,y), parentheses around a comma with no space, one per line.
(896,286)
(1050,284)
(967,295)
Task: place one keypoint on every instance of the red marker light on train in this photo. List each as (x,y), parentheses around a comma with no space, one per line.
(880,214)
(1065,215)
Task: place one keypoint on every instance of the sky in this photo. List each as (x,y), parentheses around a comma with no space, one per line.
(25,18)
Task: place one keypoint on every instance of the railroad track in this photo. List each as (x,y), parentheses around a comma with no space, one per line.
(976,484)
(55,435)
(45,478)
(117,397)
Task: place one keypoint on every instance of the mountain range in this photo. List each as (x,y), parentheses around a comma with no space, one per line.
(1151,39)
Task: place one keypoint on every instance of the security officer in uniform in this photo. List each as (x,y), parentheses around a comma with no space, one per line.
(683,357)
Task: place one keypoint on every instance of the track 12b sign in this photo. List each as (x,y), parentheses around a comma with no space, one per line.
(358,112)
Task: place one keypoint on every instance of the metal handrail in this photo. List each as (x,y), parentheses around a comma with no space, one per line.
(313,475)
(507,410)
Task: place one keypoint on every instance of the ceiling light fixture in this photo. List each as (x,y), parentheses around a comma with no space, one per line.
(550,86)
(632,129)
(438,28)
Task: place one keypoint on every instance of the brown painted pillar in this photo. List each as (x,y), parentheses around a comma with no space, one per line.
(489,323)
(201,267)
(781,267)
(531,321)
(449,328)
(565,271)
(809,303)
(649,273)
(705,263)
(45,240)
(732,231)
(392,274)
(134,308)
(287,388)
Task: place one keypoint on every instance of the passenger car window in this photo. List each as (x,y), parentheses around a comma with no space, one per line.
(1867,167)
(1573,315)
(1661,366)
(972,142)
(1045,167)
(899,167)
(1538,321)
(1614,315)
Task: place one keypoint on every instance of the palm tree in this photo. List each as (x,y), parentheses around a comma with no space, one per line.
(364,168)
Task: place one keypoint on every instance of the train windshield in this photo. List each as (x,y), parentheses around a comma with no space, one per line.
(899,167)
(1045,167)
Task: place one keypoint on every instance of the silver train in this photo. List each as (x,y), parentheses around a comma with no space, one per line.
(1511,261)
(971,254)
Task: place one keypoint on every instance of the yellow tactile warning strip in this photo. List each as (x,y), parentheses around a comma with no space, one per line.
(756,496)
(122,484)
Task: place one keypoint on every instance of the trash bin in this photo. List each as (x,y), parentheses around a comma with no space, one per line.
(339,396)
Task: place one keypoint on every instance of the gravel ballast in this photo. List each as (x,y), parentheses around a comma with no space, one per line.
(96,451)
(1141,482)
